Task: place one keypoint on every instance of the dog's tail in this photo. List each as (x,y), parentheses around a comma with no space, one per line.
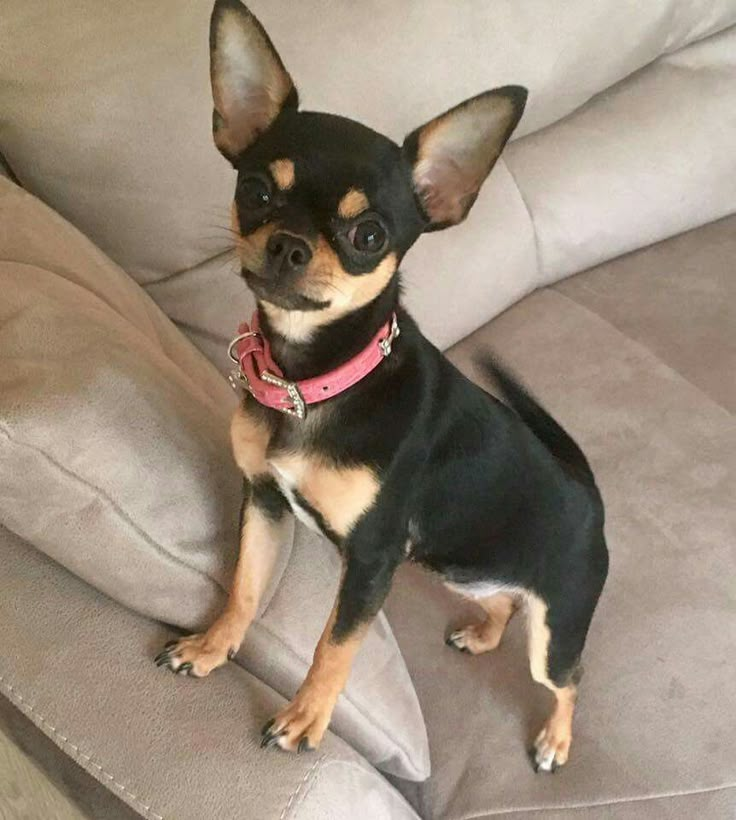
(537,419)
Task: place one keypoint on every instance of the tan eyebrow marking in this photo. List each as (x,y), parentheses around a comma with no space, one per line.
(282,170)
(353,203)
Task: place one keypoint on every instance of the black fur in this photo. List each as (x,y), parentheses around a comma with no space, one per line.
(470,488)
(266,495)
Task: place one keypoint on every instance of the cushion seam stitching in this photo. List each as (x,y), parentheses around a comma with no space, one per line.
(86,760)
(310,777)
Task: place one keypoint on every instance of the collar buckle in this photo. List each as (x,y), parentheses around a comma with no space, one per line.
(299,406)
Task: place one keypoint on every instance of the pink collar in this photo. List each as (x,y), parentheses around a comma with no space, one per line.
(263,379)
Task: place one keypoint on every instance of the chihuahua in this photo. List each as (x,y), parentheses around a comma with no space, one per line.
(351,419)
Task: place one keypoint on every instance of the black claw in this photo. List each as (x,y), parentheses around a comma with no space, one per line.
(185,667)
(162,657)
(271,739)
(303,746)
(231,654)
(268,736)
(449,641)
(171,644)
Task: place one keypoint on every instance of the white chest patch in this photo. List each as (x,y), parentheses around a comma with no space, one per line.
(287,484)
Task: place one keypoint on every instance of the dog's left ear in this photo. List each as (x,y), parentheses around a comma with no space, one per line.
(250,85)
(453,154)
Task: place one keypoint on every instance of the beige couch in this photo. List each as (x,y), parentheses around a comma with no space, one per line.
(114,464)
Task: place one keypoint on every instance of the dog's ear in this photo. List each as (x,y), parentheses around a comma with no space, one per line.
(453,154)
(250,85)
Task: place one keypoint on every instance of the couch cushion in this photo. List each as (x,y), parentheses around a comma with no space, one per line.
(116,462)
(646,160)
(655,721)
(677,299)
(79,666)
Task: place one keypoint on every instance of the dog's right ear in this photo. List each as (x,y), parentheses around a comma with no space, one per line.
(250,85)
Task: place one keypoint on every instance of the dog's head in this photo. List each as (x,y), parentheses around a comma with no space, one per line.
(325,208)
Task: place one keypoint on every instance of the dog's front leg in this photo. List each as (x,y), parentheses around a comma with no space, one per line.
(262,520)
(261,536)
(363,588)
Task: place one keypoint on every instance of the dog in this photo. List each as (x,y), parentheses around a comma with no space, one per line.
(354,421)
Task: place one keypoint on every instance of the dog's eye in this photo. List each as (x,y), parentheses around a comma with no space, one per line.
(368,236)
(254,194)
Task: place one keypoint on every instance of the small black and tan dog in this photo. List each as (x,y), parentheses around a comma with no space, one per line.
(412,461)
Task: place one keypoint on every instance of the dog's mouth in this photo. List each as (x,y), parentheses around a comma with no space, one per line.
(276,293)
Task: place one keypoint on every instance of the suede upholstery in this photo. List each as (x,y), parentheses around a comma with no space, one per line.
(159,742)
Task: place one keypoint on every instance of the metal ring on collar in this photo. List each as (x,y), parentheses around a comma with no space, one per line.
(237,339)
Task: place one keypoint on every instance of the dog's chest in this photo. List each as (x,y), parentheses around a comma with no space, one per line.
(288,480)
(327,498)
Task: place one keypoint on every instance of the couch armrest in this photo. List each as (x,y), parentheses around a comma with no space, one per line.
(79,666)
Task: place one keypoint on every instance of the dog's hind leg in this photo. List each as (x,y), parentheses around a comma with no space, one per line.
(556,637)
(486,635)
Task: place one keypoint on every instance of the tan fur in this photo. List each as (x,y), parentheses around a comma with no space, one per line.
(235,227)
(486,636)
(326,280)
(340,494)
(243,115)
(439,142)
(282,171)
(250,437)
(252,246)
(538,637)
(556,736)
(353,203)
(260,541)
(309,713)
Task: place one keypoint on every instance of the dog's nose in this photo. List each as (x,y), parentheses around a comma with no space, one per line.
(287,254)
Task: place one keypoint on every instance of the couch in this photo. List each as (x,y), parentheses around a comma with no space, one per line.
(598,262)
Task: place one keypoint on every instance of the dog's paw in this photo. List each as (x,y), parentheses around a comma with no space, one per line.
(551,749)
(474,639)
(300,726)
(195,655)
